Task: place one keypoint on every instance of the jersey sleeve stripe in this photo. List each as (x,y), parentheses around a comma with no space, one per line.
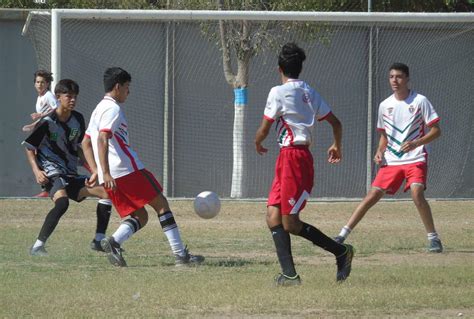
(268,119)
(324,117)
(436,120)
(28,146)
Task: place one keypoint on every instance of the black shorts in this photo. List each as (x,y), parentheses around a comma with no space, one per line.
(72,185)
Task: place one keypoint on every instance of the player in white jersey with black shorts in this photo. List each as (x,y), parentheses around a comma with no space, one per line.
(402,152)
(295,106)
(129,185)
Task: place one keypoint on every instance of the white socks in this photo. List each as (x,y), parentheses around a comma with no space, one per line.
(345,231)
(175,241)
(171,230)
(432,236)
(123,233)
(38,243)
(105,201)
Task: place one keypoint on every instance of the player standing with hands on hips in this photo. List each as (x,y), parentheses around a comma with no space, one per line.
(129,185)
(294,105)
(402,153)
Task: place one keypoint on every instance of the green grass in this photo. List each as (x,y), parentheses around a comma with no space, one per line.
(392,276)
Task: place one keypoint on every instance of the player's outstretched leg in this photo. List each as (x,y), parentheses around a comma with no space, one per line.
(343,252)
(171,230)
(129,226)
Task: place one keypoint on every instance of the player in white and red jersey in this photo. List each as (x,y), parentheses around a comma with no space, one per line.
(129,185)
(402,152)
(294,105)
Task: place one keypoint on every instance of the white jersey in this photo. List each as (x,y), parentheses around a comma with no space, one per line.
(405,121)
(46,103)
(108,117)
(295,105)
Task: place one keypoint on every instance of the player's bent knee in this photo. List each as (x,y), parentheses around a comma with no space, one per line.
(141,215)
(292,225)
(61,205)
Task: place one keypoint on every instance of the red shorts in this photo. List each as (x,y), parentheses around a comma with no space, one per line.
(391,177)
(134,191)
(293,181)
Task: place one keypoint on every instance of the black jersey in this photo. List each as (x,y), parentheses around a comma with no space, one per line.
(57,143)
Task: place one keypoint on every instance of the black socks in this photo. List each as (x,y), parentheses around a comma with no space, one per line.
(283,249)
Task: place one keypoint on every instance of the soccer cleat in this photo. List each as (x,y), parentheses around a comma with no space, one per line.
(114,252)
(188,259)
(95,245)
(435,246)
(282,280)
(38,251)
(339,239)
(344,263)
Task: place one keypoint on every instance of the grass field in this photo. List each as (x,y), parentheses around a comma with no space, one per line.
(392,274)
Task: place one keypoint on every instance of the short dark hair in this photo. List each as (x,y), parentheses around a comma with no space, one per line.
(48,76)
(291,60)
(400,67)
(66,86)
(113,76)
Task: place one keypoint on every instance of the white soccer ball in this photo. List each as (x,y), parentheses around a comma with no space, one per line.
(207,205)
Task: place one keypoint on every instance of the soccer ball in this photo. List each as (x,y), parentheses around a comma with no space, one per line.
(207,205)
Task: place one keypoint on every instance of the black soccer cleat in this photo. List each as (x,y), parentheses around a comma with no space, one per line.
(39,251)
(95,245)
(282,280)
(344,263)
(114,252)
(188,259)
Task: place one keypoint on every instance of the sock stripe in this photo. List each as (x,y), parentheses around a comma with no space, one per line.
(133,223)
(167,221)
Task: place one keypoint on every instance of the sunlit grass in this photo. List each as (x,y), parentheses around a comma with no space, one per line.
(392,276)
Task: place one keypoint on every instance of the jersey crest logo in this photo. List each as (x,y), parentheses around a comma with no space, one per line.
(390,110)
(411,109)
(53,136)
(306,98)
(73,134)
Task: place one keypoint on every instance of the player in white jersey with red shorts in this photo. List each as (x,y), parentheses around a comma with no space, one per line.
(402,152)
(129,185)
(295,106)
